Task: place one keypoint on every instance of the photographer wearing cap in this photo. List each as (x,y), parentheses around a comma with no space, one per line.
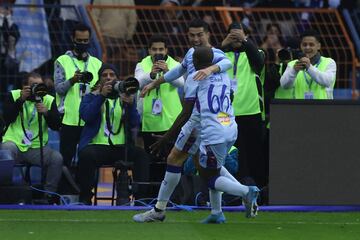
(22,113)
(312,75)
(162,105)
(248,66)
(109,111)
(75,73)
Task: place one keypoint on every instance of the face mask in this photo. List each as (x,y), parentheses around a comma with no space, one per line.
(80,48)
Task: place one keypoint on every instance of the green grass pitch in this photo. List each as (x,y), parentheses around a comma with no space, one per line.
(68,225)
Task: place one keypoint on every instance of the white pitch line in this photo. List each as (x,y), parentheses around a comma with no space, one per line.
(3,220)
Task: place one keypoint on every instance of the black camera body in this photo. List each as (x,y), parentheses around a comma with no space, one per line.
(288,54)
(86,77)
(128,86)
(159,57)
(38,91)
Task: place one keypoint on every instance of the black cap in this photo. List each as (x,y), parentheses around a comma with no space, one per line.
(105,66)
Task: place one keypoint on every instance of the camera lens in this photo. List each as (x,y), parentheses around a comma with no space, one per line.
(38,89)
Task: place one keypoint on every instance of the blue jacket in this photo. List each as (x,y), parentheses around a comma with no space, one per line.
(90,112)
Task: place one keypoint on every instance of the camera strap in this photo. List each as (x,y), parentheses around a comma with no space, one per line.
(28,123)
(107,119)
(71,55)
(237,56)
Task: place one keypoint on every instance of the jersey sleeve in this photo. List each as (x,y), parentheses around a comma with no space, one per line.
(190,88)
(218,55)
(188,58)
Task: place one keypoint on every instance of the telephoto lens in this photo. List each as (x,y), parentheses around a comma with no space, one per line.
(128,86)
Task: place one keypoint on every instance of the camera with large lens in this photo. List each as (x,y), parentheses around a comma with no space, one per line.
(38,91)
(288,54)
(86,77)
(128,86)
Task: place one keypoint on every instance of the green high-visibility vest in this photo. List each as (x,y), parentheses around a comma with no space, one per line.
(232,149)
(304,83)
(246,95)
(262,80)
(284,93)
(115,115)
(73,96)
(15,133)
(169,97)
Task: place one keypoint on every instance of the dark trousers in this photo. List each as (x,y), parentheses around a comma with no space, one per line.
(93,156)
(158,165)
(69,138)
(250,144)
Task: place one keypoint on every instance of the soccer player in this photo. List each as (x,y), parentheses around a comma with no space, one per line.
(218,133)
(188,140)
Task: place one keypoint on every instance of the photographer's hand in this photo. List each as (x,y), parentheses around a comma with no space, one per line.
(238,34)
(129,99)
(147,89)
(25,93)
(41,108)
(299,65)
(227,41)
(159,146)
(162,65)
(76,78)
(306,62)
(106,88)
(155,70)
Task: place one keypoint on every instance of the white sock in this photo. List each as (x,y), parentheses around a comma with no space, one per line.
(224,184)
(224,172)
(171,180)
(215,201)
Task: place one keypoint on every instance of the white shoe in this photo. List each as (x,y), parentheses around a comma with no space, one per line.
(149,216)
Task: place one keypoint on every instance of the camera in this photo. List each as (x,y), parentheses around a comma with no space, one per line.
(288,54)
(128,86)
(158,57)
(38,90)
(86,77)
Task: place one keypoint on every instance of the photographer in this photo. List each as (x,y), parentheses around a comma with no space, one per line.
(274,71)
(75,73)
(162,105)
(312,75)
(21,113)
(248,65)
(107,117)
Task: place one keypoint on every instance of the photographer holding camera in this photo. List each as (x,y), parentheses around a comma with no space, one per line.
(109,111)
(75,73)
(248,64)
(162,105)
(22,113)
(311,75)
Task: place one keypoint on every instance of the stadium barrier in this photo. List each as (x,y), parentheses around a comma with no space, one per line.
(173,22)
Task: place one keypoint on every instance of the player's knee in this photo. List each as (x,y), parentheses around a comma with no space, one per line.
(176,158)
